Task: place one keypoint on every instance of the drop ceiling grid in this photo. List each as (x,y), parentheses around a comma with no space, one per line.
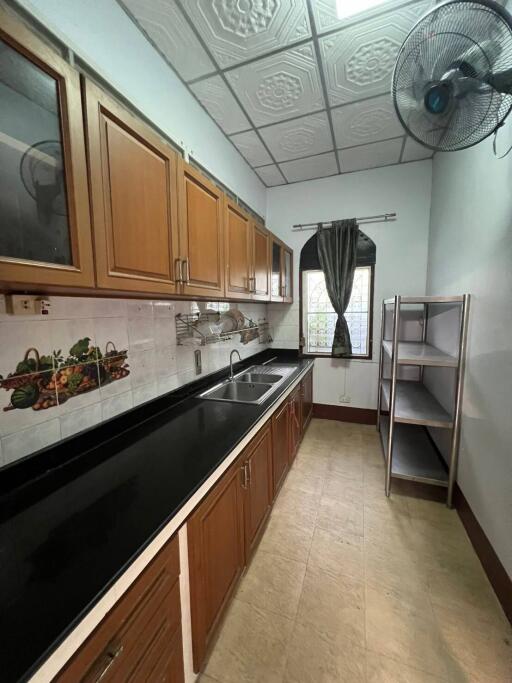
(287,81)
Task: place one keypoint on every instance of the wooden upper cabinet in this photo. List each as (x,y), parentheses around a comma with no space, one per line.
(276,283)
(287,274)
(45,232)
(133,198)
(238,252)
(201,205)
(261,263)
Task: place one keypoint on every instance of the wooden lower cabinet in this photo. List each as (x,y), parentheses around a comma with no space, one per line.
(280,445)
(295,421)
(258,494)
(307,399)
(140,638)
(216,557)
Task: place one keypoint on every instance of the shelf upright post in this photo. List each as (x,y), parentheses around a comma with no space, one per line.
(381,362)
(424,335)
(392,394)
(454,451)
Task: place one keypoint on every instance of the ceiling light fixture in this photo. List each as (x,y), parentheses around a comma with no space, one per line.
(347,8)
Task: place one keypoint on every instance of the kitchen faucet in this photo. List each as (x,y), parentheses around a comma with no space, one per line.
(231,363)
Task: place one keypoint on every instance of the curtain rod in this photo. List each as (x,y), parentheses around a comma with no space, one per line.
(379,218)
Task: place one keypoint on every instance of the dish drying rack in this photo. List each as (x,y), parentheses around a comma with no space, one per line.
(188,334)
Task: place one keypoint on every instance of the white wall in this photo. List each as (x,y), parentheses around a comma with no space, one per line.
(401,267)
(471,251)
(101,34)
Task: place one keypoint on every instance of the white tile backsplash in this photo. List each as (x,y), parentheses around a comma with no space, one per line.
(156,364)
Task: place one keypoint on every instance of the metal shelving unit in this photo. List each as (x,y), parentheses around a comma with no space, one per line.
(406,408)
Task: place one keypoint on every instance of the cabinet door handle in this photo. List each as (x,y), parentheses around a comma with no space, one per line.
(186,276)
(249,469)
(252,288)
(107,659)
(178,271)
(244,476)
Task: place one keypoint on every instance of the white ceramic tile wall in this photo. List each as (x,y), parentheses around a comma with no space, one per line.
(145,329)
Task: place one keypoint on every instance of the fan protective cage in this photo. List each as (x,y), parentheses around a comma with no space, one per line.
(476,32)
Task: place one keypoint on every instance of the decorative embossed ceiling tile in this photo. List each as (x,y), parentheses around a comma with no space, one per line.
(302,137)
(237,30)
(312,167)
(271,175)
(371,156)
(250,146)
(413,151)
(326,16)
(279,87)
(365,122)
(217,99)
(167,28)
(359,60)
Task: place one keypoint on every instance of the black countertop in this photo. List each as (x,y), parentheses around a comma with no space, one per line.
(93,503)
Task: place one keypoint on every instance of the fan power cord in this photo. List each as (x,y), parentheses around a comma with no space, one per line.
(495,140)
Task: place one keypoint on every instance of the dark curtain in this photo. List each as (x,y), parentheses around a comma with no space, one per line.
(337,253)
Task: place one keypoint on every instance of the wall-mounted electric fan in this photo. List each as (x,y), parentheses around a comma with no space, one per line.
(452,84)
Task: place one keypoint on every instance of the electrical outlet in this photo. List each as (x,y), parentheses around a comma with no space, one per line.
(197,361)
(21,304)
(343,399)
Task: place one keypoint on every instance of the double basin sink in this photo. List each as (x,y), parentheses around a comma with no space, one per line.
(249,386)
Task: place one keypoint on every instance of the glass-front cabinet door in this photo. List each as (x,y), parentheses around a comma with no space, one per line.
(287,291)
(45,236)
(276,286)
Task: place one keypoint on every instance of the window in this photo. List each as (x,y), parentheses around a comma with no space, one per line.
(319,317)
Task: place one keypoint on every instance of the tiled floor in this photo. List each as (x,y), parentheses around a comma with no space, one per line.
(350,587)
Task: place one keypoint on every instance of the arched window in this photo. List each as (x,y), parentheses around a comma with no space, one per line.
(318,318)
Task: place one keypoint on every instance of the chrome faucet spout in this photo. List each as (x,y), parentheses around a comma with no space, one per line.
(231,363)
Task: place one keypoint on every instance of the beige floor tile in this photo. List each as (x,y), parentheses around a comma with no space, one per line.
(380,669)
(468,592)
(396,567)
(479,654)
(304,482)
(323,658)
(251,647)
(343,488)
(293,502)
(273,583)
(288,535)
(345,518)
(311,465)
(337,553)
(208,679)
(386,519)
(402,626)
(333,605)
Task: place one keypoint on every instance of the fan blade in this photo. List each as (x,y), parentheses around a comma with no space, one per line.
(502,82)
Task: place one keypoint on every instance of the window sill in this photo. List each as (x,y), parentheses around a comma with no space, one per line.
(329,355)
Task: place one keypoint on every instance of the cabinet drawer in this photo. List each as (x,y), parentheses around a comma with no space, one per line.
(137,633)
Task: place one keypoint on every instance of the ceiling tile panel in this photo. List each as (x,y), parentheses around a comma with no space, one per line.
(318,166)
(371,156)
(326,16)
(302,137)
(271,175)
(251,147)
(359,60)
(280,86)
(168,29)
(413,151)
(217,99)
(365,122)
(238,30)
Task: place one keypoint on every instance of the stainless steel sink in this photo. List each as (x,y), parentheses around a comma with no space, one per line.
(238,392)
(257,377)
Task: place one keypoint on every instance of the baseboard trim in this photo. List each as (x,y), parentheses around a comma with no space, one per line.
(496,573)
(366,416)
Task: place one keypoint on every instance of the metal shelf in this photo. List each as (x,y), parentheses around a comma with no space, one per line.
(427,300)
(420,353)
(414,455)
(415,404)
(411,409)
